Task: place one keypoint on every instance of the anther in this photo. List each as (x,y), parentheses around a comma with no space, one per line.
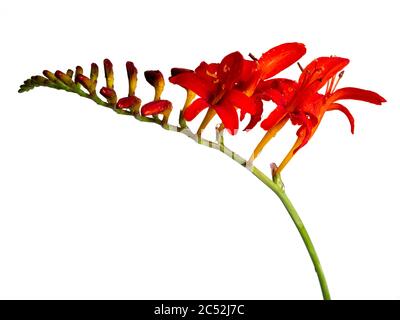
(252,57)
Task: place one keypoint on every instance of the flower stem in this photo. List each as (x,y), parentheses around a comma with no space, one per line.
(300,227)
(280,192)
(276,187)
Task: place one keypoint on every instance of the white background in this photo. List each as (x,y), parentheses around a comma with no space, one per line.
(97,205)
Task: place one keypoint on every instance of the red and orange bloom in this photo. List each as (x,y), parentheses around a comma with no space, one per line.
(215,86)
(235,84)
(230,84)
(303,105)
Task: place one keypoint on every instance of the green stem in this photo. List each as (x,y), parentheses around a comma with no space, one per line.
(275,185)
(277,188)
(300,227)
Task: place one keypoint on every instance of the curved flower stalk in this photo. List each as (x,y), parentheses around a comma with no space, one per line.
(231,89)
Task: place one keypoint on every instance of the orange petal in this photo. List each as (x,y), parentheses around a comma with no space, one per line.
(339,107)
(240,100)
(228,115)
(194,109)
(274,118)
(279,58)
(191,81)
(356,94)
(320,70)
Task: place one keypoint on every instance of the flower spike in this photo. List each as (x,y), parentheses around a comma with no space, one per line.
(230,89)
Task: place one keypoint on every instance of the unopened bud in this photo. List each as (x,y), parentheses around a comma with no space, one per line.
(131,102)
(108,69)
(94,72)
(176,71)
(163,107)
(156,79)
(109,94)
(64,78)
(132,77)
(86,83)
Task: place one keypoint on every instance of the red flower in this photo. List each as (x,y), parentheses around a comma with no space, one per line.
(270,64)
(215,85)
(230,84)
(303,105)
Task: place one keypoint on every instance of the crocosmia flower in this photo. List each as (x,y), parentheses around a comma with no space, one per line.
(215,86)
(302,103)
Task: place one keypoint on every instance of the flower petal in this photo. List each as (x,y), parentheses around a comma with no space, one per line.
(320,70)
(305,132)
(207,71)
(339,107)
(279,90)
(228,115)
(279,58)
(194,109)
(356,94)
(274,117)
(230,69)
(254,119)
(240,100)
(191,81)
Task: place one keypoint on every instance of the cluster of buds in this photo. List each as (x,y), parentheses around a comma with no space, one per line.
(230,89)
(74,82)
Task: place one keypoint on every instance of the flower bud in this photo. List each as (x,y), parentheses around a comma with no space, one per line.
(64,78)
(176,71)
(94,72)
(163,107)
(109,94)
(156,79)
(131,102)
(108,69)
(78,71)
(70,73)
(86,83)
(132,77)
(40,80)
(50,75)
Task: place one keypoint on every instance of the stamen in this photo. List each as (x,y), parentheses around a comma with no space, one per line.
(339,77)
(329,85)
(300,67)
(252,57)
